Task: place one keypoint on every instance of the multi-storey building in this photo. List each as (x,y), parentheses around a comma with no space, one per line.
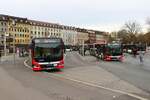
(23,30)
(101,37)
(16,28)
(92,36)
(3,28)
(82,35)
(69,35)
(44,29)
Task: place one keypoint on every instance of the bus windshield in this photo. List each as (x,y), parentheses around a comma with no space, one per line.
(48,52)
(114,50)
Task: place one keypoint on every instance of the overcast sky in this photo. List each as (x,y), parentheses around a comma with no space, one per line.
(107,15)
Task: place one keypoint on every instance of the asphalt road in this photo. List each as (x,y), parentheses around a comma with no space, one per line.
(21,83)
(131,71)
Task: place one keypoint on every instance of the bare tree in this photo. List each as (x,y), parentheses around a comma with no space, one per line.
(132,27)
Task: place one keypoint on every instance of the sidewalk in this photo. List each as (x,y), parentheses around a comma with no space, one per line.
(9,58)
(12,89)
(98,76)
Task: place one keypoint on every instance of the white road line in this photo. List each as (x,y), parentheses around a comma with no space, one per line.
(93,85)
(25,63)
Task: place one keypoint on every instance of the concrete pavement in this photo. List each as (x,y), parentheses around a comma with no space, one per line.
(9,58)
(79,69)
(21,83)
(96,75)
(93,74)
(12,89)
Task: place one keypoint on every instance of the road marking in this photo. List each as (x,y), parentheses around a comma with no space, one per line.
(93,85)
(25,63)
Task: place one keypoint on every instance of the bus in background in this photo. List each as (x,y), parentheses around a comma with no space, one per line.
(47,53)
(112,52)
(96,49)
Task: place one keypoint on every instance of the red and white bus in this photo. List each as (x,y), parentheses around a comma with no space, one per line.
(113,52)
(47,53)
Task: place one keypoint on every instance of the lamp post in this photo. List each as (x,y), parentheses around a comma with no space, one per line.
(83,47)
(13,24)
(5,51)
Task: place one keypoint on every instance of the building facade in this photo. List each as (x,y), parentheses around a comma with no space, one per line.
(92,36)
(82,35)
(23,30)
(16,28)
(44,29)
(69,35)
(101,37)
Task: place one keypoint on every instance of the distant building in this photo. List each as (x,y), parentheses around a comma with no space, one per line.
(44,29)
(15,27)
(92,36)
(114,35)
(69,35)
(82,35)
(23,30)
(101,37)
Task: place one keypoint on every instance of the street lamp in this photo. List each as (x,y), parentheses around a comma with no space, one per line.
(5,43)
(5,51)
(13,24)
(83,47)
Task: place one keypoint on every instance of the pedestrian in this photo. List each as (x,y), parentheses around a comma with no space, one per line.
(134,52)
(141,57)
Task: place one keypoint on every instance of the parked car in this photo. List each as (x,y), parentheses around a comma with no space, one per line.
(68,49)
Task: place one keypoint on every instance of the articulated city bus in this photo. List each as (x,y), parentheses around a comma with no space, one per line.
(47,53)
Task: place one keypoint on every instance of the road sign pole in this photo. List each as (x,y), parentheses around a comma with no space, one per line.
(83,47)
(5,51)
(13,24)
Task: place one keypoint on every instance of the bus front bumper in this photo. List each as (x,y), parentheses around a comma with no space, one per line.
(113,58)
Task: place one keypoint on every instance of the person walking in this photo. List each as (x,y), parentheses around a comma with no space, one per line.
(141,57)
(134,52)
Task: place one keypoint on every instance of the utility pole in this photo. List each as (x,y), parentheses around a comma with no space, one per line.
(5,51)
(13,24)
(83,47)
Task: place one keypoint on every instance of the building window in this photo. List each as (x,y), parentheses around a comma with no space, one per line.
(2,23)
